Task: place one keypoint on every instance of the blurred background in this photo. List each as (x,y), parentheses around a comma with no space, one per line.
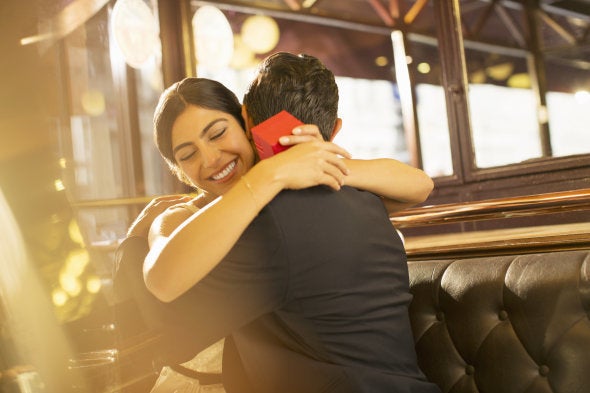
(498,110)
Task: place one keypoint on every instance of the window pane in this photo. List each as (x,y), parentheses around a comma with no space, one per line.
(568,103)
(434,130)
(504,125)
(431,110)
(503,109)
(569,120)
(95,146)
(371,119)
(157,177)
(97,139)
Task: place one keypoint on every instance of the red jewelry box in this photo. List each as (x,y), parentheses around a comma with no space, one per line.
(266,134)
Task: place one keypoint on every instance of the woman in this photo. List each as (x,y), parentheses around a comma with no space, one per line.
(200,133)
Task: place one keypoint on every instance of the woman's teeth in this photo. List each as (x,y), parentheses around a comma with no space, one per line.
(225,172)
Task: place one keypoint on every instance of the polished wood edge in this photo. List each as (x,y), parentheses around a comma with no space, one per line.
(498,248)
(523,240)
(501,208)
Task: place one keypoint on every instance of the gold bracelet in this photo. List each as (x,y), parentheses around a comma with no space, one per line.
(249,187)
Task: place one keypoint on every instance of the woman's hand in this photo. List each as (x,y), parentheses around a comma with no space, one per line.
(141,225)
(310,162)
(307,164)
(302,134)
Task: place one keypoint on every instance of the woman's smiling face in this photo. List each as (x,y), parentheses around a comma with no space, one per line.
(211,149)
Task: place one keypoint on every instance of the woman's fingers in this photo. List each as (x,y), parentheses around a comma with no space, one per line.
(332,154)
(332,183)
(334,148)
(333,177)
(311,164)
(302,134)
(328,169)
(295,139)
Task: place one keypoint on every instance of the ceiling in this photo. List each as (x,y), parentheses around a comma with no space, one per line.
(416,15)
(348,35)
(355,32)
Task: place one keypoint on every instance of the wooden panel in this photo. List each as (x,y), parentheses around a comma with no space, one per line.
(533,238)
(557,202)
(500,242)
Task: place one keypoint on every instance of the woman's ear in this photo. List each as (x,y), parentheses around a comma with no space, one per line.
(337,127)
(247,122)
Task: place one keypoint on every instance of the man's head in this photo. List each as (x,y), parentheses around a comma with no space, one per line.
(299,84)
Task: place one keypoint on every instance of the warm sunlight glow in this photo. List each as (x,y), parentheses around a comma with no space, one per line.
(243,57)
(423,68)
(75,234)
(213,36)
(93,284)
(260,33)
(76,262)
(59,185)
(136,31)
(381,61)
(59,297)
(70,284)
(93,102)
(501,71)
(520,81)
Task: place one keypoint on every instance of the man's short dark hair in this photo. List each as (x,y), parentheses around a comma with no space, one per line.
(299,84)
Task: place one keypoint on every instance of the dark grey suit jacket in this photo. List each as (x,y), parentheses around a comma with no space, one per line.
(313,298)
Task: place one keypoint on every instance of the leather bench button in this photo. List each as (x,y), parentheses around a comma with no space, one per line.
(503,315)
(469,369)
(543,370)
(440,316)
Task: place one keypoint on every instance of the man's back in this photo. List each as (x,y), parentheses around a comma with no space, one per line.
(343,315)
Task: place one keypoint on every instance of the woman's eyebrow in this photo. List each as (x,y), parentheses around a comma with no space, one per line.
(203,132)
(180,147)
(211,124)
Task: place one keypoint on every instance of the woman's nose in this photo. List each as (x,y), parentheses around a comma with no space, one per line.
(211,157)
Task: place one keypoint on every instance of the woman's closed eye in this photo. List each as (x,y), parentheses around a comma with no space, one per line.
(187,156)
(218,134)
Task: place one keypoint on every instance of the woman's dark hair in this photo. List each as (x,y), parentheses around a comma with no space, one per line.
(201,92)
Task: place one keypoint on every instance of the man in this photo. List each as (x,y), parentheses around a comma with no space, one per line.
(313,297)
(348,291)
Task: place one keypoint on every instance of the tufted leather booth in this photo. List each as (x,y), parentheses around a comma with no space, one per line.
(504,324)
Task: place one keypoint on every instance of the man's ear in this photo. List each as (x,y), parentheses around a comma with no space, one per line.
(337,127)
(247,122)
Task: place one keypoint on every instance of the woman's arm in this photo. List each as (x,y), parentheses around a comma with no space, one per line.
(177,262)
(399,185)
(180,258)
